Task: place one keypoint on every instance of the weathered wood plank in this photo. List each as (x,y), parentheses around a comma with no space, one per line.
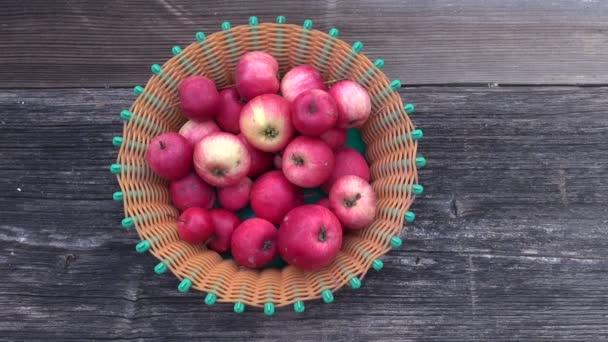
(509,244)
(113,43)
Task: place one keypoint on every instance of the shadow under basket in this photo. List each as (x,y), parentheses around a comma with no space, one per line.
(388,140)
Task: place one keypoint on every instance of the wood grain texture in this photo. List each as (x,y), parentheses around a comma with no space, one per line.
(510,241)
(112,43)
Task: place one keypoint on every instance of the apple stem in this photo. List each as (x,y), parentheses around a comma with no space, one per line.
(162,145)
(312,107)
(351,203)
(299,161)
(271,132)
(218,172)
(322,234)
(267,245)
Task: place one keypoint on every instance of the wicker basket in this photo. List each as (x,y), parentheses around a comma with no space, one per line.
(391,149)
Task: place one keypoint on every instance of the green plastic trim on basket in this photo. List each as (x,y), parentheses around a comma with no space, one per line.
(210,299)
(377,264)
(239,307)
(185,285)
(328,297)
(396,242)
(269,309)
(299,306)
(355,283)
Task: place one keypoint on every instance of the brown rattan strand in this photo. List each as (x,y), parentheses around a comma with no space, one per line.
(156,110)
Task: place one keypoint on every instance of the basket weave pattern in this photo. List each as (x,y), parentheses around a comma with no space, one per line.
(390,150)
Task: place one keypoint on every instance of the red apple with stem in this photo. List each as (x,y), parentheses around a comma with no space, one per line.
(310,237)
(194,131)
(334,137)
(307,162)
(256,74)
(229,111)
(199,98)
(260,161)
(195,225)
(353,200)
(353,102)
(221,159)
(272,196)
(224,223)
(191,191)
(254,243)
(314,112)
(266,122)
(348,162)
(169,155)
(235,197)
(300,79)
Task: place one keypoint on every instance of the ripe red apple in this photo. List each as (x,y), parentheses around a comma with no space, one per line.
(348,162)
(221,159)
(199,98)
(300,79)
(353,102)
(195,225)
(224,223)
(324,202)
(353,200)
(307,162)
(194,131)
(254,243)
(170,156)
(313,112)
(310,237)
(260,161)
(235,197)
(229,111)
(266,122)
(334,137)
(256,74)
(272,196)
(191,191)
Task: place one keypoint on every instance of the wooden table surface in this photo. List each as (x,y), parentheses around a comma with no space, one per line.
(511,237)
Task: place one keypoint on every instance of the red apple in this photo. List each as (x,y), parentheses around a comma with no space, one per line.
(229,111)
(191,191)
(307,162)
(300,79)
(235,197)
(224,223)
(266,122)
(194,131)
(254,243)
(334,137)
(310,237)
(256,74)
(221,159)
(272,196)
(324,202)
(348,162)
(195,225)
(199,98)
(313,112)
(353,200)
(353,102)
(260,161)
(170,156)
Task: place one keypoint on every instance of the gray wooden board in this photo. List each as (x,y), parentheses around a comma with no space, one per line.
(510,242)
(113,43)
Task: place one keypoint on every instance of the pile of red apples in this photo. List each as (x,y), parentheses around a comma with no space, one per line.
(248,146)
